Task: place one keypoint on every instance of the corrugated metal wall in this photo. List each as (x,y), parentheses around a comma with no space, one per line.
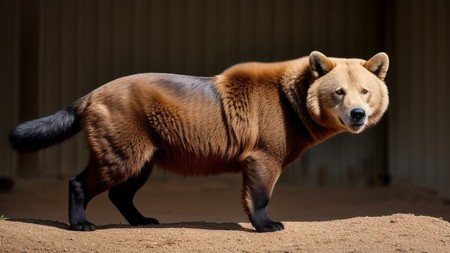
(9,83)
(77,45)
(419,116)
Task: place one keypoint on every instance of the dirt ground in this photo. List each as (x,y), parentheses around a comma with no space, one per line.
(206,215)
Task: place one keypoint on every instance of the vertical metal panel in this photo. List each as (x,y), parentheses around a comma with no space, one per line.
(141,37)
(195,44)
(104,45)
(420,119)
(442,22)
(50,74)
(159,36)
(122,39)
(9,83)
(211,37)
(69,161)
(301,27)
(28,96)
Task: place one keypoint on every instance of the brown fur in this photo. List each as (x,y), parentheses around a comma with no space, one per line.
(254,118)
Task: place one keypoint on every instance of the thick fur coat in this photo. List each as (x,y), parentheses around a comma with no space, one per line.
(254,118)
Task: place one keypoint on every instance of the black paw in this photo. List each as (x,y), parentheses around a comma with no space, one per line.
(271,226)
(145,221)
(83,226)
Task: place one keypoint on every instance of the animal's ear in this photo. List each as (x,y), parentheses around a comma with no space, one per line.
(320,64)
(378,64)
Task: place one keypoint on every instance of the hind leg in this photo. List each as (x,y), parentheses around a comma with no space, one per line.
(79,197)
(85,186)
(122,196)
(119,148)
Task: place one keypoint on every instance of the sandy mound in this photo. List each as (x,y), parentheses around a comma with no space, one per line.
(395,233)
(317,219)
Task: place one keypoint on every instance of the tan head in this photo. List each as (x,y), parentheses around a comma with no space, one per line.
(347,94)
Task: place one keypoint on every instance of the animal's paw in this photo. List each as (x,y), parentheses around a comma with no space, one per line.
(271,226)
(145,221)
(83,226)
(150,221)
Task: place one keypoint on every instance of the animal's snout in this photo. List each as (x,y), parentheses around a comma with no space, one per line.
(357,114)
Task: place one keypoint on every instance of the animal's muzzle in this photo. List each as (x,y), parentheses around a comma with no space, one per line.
(357,119)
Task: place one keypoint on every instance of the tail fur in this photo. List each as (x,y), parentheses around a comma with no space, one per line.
(41,133)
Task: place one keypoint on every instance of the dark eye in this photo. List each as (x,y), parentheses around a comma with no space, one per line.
(364,91)
(340,92)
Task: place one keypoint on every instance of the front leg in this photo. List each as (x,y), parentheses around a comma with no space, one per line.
(259,177)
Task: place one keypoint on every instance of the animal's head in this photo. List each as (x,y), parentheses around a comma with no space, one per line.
(347,94)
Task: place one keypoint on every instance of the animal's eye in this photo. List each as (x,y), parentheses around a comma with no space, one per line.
(340,92)
(364,91)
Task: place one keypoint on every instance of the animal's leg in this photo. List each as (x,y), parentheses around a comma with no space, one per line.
(79,196)
(122,196)
(85,186)
(259,178)
(119,148)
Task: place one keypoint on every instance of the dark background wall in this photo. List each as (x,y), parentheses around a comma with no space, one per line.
(53,52)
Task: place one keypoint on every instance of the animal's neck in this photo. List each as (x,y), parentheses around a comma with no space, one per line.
(295,87)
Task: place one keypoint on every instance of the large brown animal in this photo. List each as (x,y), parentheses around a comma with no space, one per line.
(254,118)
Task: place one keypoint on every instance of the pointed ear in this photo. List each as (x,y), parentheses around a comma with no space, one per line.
(378,65)
(320,64)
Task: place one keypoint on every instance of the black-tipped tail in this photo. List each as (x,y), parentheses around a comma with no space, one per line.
(41,133)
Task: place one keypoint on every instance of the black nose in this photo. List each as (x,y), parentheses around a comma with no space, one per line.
(357,114)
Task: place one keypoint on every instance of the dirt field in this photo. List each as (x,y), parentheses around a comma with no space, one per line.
(205,215)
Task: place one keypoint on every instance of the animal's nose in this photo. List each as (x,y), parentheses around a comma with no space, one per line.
(357,114)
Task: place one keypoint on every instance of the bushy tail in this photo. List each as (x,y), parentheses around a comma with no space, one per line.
(41,133)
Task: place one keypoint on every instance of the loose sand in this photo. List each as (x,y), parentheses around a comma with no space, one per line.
(205,215)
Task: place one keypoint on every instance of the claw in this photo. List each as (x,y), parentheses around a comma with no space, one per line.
(83,226)
(270,227)
(146,221)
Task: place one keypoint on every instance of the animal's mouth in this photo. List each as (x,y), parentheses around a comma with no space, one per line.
(355,127)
